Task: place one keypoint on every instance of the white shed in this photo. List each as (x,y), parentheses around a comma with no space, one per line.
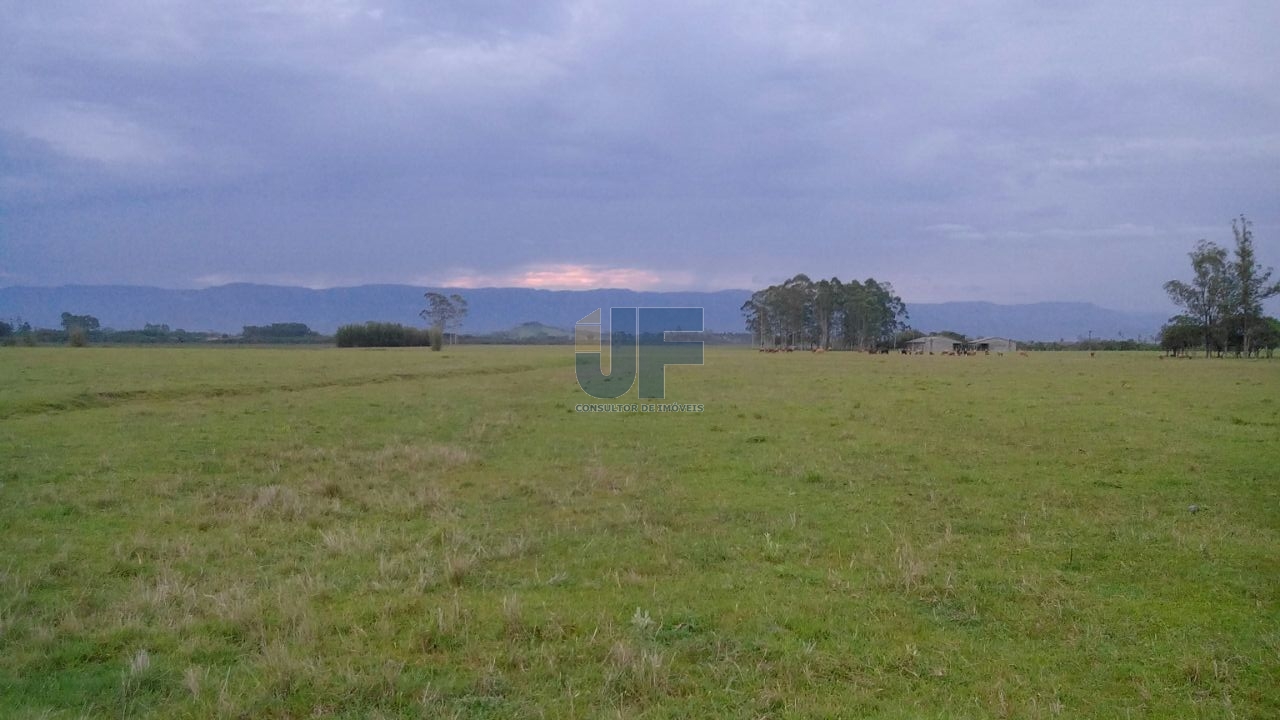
(993,344)
(933,344)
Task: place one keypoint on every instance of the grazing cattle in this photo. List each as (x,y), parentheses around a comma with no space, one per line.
(1023,353)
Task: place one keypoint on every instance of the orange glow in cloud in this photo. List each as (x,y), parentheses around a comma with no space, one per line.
(572,277)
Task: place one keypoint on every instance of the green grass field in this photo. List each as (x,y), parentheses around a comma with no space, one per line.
(312,533)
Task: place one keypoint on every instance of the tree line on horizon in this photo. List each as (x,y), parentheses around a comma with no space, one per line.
(81,330)
(1222,304)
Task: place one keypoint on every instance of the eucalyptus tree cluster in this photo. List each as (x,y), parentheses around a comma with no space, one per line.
(827,314)
(1222,303)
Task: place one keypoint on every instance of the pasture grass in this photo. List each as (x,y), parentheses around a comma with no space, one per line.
(356,533)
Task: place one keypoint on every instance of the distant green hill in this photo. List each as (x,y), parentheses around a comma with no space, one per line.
(530,332)
(533,331)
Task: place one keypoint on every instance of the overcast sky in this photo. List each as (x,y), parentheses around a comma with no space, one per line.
(1002,151)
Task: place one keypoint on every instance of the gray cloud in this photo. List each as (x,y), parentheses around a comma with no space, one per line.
(1003,151)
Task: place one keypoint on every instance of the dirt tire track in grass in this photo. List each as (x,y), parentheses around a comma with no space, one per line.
(86,400)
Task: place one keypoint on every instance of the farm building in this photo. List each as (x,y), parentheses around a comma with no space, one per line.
(933,344)
(993,344)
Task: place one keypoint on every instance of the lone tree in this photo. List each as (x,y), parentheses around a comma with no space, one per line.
(1207,298)
(444,313)
(1251,285)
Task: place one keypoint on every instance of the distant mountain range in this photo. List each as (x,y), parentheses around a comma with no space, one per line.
(1035,321)
(227,308)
